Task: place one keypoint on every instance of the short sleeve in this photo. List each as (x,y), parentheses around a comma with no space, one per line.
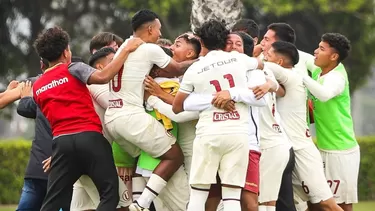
(157,56)
(187,84)
(250,63)
(81,71)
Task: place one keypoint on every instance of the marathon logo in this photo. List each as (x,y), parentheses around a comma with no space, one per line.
(115,103)
(224,116)
(51,85)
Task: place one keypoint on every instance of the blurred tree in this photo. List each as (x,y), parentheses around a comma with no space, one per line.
(222,10)
(355,19)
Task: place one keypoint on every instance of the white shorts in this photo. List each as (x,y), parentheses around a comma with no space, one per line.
(271,168)
(309,181)
(341,170)
(227,155)
(86,196)
(141,131)
(186,136)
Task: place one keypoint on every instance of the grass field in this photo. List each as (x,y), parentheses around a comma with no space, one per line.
(362,206)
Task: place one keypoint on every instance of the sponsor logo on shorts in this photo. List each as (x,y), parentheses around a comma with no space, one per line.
(115,103)
(224,116)
(276,128)
(126,178)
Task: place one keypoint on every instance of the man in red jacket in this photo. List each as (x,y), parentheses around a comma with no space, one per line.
(78,144)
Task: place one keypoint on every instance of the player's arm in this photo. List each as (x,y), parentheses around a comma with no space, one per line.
(333,85)
(89,75)
(169,67)
(166,109)
(27,107)
(271,85)
(12,93)
(154,89)
(186,88)
(198,102)
(100,94)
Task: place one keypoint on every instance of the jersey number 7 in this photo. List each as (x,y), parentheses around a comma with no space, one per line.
(216,83)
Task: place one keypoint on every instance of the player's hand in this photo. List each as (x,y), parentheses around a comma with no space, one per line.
(230,106)
(221,99)
(133,44)
(153,87)
(260,91)
(125,173)
(26,90)
(257,50)
(12,85)
(146,95)
(46,164)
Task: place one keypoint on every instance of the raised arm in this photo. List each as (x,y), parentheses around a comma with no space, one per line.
(10,95)
(333,85)
(166,109)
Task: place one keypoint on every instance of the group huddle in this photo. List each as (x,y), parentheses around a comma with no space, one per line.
(212,121)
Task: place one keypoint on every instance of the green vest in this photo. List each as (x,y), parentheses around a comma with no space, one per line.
(333,120)
(145,160)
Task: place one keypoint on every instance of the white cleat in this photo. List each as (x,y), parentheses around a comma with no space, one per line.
(135,207)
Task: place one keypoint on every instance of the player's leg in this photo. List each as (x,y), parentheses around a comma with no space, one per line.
(148,134)
(81,200)
(309,169)
(214,196)
(285,201)
(204,167)
(341,170)
(233,169)
(249,195)
(96,154)
(272,172)
(66,168)
(175,195)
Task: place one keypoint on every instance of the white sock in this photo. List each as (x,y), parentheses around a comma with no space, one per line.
(231,198)
(152,190)
(139,184)
(198,197)
(262,208)
(271,208)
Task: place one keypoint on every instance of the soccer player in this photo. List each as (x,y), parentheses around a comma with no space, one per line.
(310,183)
(212,152)
(85,194)
(333,121)
(126,118)
(251,28)
(105,39)
(284,32)
(79,146)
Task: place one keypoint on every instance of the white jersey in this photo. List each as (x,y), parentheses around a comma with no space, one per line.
(270,131)
(100,95)
(293,106)
(127,89)
(302,64)
(217,71)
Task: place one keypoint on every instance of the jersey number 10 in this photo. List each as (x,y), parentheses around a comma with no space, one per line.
(216,83)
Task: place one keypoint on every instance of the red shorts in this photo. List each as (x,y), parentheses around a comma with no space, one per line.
(252,176)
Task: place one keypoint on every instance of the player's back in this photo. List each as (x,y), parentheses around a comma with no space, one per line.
(293,106)
(127,89)
(215,72)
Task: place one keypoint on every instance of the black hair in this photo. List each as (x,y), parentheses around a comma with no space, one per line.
(283,32)
(167,51)
(101,53)
(248,26)
(194,42)
(338,42)
(141,17)
(248,42)
(286,49)
(51,44)
(164,41)
(213,34)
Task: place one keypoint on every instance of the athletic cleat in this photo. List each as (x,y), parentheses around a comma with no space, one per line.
(135,207)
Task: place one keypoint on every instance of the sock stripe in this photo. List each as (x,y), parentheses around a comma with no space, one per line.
(200,189)
(231,199)
(152,191)
(137,193)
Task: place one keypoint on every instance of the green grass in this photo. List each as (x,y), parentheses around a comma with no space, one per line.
(362,206)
